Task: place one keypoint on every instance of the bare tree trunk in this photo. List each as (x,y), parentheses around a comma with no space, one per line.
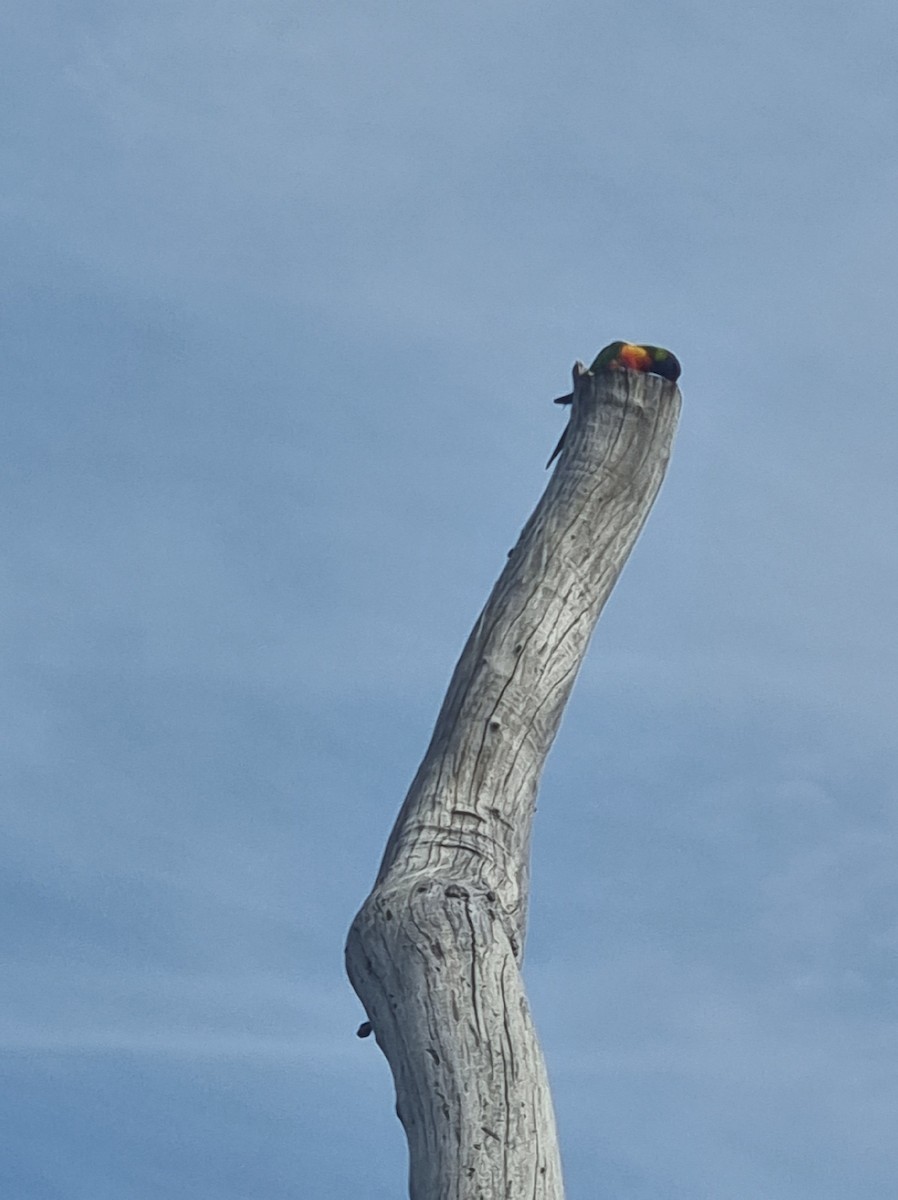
(435,952)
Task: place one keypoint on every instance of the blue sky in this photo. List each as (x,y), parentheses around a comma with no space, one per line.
(286,296)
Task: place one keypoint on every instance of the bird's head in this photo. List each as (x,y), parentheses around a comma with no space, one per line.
(664,363)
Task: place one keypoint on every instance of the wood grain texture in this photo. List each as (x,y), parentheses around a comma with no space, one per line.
(435,952)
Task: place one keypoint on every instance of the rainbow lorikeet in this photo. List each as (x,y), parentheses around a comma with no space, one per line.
(650,360)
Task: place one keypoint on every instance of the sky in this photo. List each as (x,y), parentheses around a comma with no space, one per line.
(287,292)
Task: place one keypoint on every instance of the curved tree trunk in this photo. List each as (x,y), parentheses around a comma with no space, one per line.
(435,952)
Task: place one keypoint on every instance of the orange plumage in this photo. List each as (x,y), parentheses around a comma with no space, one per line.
(637,358)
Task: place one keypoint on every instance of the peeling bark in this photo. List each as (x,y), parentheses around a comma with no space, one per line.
(435,951)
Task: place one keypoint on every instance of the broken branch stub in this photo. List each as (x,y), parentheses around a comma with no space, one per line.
(435,951)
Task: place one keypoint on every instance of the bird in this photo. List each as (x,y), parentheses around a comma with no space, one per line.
(650,360)
(617,356)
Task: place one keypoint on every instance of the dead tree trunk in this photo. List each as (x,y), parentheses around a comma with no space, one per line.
(435,952)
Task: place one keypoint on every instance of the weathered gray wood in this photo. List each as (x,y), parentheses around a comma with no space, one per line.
(435,952)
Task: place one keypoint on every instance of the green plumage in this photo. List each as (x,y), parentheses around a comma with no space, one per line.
(605,357)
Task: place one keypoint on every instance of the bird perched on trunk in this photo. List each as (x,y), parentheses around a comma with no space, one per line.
(620,356)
